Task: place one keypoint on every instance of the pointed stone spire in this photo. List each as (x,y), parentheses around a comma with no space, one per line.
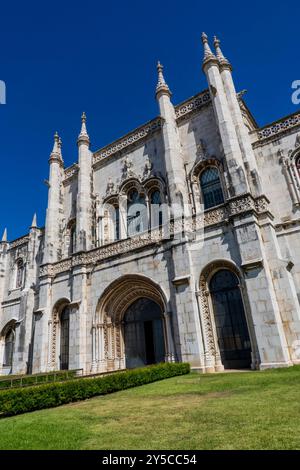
(60,146)
(222,60)
(208,54)
(161,86)
(34,221)
(83,136)
(4,236)
(56,151)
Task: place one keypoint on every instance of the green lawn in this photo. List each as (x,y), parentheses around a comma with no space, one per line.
(250,410)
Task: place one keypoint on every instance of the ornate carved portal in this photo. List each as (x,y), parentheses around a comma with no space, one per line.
(131,307)
(58,338)
(212,358)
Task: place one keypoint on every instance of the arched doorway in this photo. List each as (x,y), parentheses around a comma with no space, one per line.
(132,326)
(9,343)
(230,320)
(64,338)
(143,334)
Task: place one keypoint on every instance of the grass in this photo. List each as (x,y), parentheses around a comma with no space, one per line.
(249,410)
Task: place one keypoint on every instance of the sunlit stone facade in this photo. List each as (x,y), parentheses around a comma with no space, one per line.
(85,292)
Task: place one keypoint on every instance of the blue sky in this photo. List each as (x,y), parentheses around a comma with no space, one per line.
(61,58)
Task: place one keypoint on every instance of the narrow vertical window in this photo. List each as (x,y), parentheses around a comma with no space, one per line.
(20,274)
(117,223)
(136,213)
(155,210)
(9,348)
(72,239)
(211,188)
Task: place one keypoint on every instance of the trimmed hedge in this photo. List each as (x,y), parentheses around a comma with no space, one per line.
(17,401)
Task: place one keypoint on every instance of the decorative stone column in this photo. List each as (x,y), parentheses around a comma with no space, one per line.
(170,351)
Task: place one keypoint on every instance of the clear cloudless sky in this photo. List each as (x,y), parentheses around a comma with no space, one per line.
(61,58)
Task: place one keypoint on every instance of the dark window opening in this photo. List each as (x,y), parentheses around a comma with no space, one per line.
(211,188)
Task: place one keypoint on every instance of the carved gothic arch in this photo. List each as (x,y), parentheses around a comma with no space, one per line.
(11,324)
(129,184)
(122,292)
(212,352)
(108,327)
(155,183)
(291,171)
(53,332)
(5,329)
(199,167)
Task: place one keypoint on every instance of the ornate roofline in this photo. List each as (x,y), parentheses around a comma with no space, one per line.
(70,172)
(192,105)
(276,128)
(182,110)
(129,139)
(18,242)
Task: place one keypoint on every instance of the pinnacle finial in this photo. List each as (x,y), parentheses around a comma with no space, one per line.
(34,221)
(222,60)
(55,150)
(83,136)
(161,84)
(60,146)
(208,54)
(4,236)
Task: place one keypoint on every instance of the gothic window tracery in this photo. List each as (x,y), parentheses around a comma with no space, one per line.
(211,188)
(156,216)
(136,213)
(19,273)
(9,347)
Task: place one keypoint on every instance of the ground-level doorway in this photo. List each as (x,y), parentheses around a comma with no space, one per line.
(230,319)
(143,334)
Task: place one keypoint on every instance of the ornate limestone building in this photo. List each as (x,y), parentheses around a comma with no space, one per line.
(89,292)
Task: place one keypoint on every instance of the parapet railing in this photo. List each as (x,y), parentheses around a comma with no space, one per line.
(19,381)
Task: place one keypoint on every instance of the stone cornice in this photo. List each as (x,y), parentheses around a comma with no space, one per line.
(220,215)
(138,135)
(277,128)
(192,105)
(18,242)
(70,173)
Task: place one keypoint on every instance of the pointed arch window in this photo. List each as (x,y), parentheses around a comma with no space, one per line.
(19,273)
(136,213)
(156,217)
(71,232)
(117,223)
(211,187)
(9,348)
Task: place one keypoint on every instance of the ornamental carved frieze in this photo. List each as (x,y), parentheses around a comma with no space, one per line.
(19,242)
(134,137)
(71,172)
(147,168)
(190,225)
(192,105)
(279,127)
(215,216)
(241,204)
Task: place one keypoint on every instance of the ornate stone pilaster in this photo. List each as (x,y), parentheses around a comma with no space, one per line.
(170,349)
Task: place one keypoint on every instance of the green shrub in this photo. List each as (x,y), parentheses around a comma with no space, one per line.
(17,401)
